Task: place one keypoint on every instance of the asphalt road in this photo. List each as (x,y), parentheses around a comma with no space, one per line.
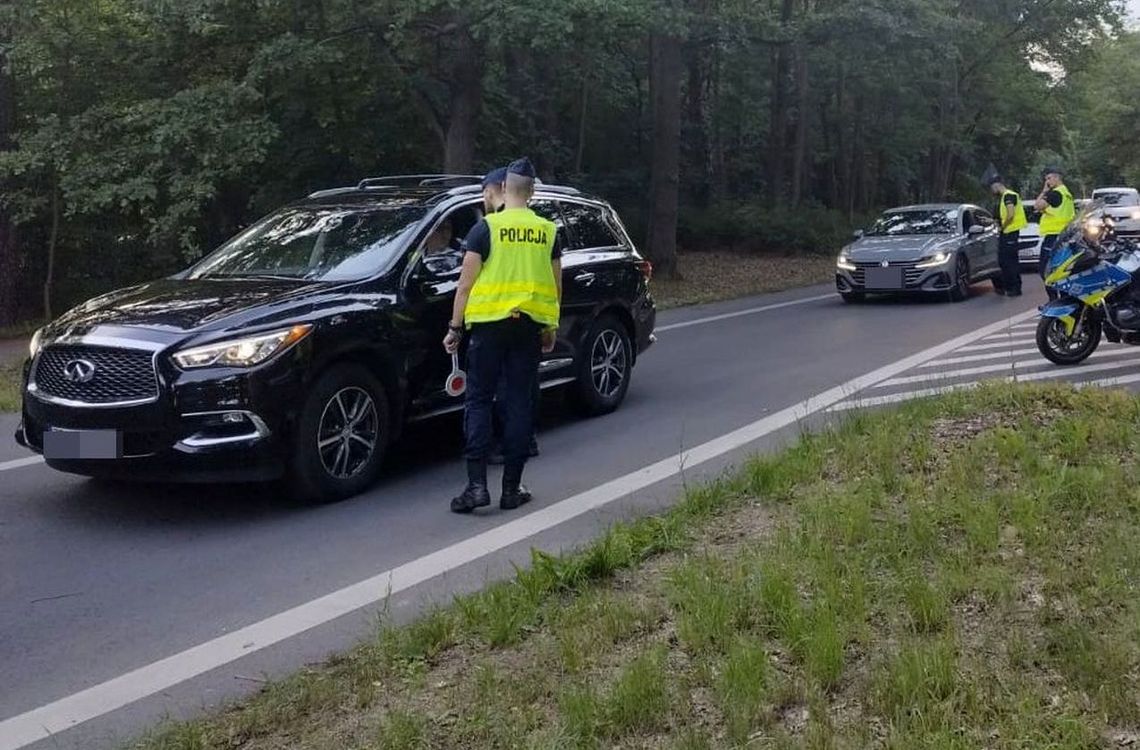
(99,579)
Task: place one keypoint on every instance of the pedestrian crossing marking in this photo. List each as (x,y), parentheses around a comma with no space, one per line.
(1025,364)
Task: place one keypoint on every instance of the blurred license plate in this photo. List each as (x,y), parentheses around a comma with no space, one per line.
(884,278)
(83,444)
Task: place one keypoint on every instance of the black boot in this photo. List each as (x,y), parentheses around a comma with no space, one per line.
(514,494)
(476,495)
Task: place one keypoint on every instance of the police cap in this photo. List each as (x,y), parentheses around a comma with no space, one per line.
(496,176)
(522,167)
(1052,169)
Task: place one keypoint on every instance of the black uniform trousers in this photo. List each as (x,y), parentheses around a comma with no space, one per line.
(1048,242)
(500,408)
(1009,263)
(507,350)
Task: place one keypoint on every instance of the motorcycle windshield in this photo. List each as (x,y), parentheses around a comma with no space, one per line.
(1081,233)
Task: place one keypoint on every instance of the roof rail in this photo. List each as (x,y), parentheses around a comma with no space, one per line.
(416,180)
(332,191)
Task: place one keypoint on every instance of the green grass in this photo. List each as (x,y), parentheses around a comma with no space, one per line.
(959,573)
(10,387)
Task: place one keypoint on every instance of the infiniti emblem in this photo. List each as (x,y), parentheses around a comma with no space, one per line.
(79,371)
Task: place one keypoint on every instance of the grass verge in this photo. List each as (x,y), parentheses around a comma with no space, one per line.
(10,375)
(714,276)
(958,573)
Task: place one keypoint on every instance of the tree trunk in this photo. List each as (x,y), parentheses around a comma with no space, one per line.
(799,157)
(694,132)
(53,240)
(10,265)
(778,125)
(580,155)
(665,84)
(465,103)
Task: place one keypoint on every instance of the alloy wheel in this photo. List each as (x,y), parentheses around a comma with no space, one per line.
(347,433)
(608,363)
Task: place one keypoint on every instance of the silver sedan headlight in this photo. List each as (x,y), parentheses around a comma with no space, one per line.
(933,261)
(243,352)
(844,262)
(36,343)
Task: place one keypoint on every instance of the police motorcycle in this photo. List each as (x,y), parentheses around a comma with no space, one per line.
(1094,274)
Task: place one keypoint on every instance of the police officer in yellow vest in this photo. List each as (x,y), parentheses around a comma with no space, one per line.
(1057,209)
(508,301)
(1012,215)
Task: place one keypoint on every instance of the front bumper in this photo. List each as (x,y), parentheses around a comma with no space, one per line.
(1029,251)
(204,425)
(914,279)
(1128,228)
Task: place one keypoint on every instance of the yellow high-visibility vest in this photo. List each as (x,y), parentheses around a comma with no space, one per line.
(1054,220)
(1019,219)
(518,276)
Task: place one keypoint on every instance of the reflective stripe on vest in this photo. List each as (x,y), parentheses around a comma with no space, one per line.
(518,276)
(1054,220)
(1019,220)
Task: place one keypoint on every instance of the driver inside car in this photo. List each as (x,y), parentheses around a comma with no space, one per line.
(441,240)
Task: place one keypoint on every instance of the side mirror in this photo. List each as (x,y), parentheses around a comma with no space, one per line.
(857,234)
(975,230)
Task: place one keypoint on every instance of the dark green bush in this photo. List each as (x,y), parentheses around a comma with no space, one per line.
(750,227)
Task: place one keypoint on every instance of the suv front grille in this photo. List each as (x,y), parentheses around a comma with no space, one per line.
(118,375)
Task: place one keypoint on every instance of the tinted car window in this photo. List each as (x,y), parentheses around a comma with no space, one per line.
(983,218)
(549,209)
(331,243)
(589,226)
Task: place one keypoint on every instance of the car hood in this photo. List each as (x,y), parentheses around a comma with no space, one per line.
(178,305)
(911,247)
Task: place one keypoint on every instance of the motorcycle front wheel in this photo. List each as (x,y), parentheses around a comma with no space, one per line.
(1063,349)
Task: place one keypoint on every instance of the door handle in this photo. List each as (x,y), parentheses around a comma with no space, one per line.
(586,277)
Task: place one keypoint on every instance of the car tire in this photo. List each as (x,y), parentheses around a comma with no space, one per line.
(341,436)
(853,298)
(607,346)
(960,291)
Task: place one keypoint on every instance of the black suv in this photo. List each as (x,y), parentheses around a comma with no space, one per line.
(299,348)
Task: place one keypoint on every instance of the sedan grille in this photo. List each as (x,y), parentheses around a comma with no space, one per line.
(95,375)
(911,275)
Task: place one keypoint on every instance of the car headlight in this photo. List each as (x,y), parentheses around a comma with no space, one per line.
(938,259)
(36,343)
(1136,214)
(243,352)
(844,262)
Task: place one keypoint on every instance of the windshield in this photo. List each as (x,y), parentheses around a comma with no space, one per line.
(326,243)
(1118,199)
(923,221)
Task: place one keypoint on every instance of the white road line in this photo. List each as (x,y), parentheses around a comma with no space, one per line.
(39,723)
(21,462)
(895,398)
(1028,331)
(1060,372)
(979,357)
(1011,367)
(1063,372)
(740,313)
(1007,344)
(1110,382)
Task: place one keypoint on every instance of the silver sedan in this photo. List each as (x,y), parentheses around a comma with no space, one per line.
(938,248)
